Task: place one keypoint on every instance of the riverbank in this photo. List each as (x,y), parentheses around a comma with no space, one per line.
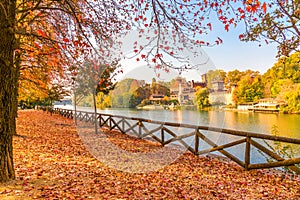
(52,163)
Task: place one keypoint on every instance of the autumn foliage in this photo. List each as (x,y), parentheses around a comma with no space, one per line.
(52,163)
(44,42)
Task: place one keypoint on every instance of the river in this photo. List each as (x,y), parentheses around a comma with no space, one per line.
(288,125)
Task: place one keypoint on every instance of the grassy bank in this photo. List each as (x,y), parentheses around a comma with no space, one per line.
(52,163)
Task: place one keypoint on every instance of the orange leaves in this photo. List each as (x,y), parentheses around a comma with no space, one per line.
(52,163)
(253,6)
(264,7)
(41,33)
(30,4)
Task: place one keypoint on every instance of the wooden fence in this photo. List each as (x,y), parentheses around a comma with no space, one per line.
(164,133)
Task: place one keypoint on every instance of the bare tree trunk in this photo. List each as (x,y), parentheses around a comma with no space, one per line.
(95,112)
(8,80)
(75,107)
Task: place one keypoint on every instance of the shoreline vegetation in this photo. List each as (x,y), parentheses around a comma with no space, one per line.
(277,90)
(52,162)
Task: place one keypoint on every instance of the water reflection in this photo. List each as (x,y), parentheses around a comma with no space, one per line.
(288,124)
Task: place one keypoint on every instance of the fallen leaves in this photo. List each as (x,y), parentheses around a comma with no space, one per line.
(52,163)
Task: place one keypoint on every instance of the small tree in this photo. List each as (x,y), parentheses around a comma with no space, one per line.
(201,98)
(95,77)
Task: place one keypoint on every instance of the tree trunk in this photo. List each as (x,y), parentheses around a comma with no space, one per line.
(75,107)
(8,80)
(95,112)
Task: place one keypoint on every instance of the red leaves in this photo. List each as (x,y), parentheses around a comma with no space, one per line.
(66,40)
(227,27)
(41,33)
(264,7)
(52,163)
(209,26)
(158,55)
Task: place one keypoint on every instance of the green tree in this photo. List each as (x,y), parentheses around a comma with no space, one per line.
(138,96)
(284,73)
(122,93)
(280,87)
(249,89)
(201,97)
(293,99)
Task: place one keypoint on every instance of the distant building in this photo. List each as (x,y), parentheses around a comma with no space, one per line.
(245,106)
(198,84)
(218,94)
(218,86)
(268,105)
(182,90)
(156,98)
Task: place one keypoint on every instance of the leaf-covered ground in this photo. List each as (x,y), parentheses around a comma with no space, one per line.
(51,162)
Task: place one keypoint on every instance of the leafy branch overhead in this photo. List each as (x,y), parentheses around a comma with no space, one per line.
(95,77)
(53,34)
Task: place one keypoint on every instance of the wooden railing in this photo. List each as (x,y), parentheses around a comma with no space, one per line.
(164,133)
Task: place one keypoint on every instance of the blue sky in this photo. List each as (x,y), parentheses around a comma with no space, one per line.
(234,54)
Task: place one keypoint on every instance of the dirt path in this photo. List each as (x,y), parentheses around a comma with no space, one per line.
(52,163)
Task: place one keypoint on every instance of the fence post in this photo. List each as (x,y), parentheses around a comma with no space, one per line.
(140,128)
(123,125)
(247,153)
(196,141)
(110,124)
(163,136)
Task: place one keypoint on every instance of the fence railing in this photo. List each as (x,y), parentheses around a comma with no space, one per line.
(169,132)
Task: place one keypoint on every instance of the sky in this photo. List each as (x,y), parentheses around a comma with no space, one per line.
(230,55)
(235,54)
